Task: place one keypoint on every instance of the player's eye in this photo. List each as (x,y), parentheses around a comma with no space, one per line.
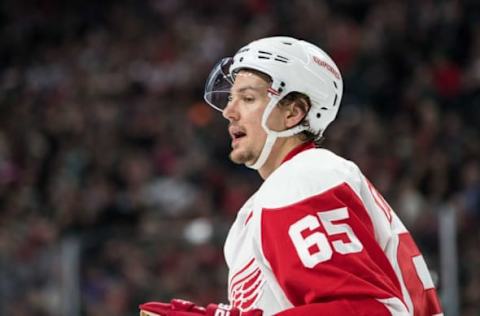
(248,99)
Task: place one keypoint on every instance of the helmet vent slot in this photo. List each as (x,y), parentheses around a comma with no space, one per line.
(268,55)
(335,100)
(282,59)
(287,43)
(264,55)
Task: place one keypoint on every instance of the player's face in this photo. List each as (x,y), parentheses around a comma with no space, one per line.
(248,99)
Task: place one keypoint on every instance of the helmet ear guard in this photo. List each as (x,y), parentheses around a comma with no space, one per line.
(293,66)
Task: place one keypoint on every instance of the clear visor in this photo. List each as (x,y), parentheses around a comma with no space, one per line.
(219,84)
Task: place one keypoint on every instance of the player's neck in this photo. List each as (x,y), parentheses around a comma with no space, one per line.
(280,150)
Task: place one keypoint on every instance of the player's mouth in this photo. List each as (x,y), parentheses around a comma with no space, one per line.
(236,134)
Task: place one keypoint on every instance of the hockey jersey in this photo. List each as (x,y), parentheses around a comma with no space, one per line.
(318,239)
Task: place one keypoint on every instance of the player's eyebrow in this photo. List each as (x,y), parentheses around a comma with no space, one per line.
(254,88)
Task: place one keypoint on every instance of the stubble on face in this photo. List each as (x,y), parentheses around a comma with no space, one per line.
(242,157)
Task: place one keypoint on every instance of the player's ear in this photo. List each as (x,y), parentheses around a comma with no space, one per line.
(295,111)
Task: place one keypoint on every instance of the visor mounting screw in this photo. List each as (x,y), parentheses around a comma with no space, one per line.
(318,115)
(282,84)
(241,59)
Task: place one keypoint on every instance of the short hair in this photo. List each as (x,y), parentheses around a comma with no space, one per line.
(302,98)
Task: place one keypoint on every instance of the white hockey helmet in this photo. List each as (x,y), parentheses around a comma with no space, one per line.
(293,66)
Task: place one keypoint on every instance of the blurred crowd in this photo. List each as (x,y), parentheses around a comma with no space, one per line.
(115,183)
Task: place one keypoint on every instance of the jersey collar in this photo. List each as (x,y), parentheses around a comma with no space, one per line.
(298,149)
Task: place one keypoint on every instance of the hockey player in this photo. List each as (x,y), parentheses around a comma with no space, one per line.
(317,238)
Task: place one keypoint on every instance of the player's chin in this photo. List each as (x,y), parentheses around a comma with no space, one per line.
(235,157)
(239,156)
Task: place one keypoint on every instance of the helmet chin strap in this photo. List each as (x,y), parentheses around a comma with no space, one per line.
(272,135)
(267,148)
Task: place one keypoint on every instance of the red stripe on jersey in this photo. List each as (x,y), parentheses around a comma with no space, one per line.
(249,217)
(350,272)
(425,301)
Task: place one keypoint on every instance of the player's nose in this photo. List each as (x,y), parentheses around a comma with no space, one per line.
(230,112)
